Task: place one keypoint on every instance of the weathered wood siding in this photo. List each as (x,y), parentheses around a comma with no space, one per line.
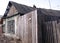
(12,11)
(54,23)
(48,28)
(51,32)
(48,32)
(28,27)
(58,31)
(25,26)
(40,19)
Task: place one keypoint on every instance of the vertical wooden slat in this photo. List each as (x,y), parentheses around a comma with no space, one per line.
(50,32)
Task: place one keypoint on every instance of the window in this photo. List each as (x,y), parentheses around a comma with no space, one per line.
(11,26)
(3,28)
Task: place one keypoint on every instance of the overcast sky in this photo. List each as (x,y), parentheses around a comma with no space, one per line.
(55,4)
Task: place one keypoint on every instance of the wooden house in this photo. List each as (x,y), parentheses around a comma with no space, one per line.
(1,22)
(31,24)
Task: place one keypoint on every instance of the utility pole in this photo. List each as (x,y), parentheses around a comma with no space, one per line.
(50,4)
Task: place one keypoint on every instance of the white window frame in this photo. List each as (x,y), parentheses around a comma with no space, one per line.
(6,31)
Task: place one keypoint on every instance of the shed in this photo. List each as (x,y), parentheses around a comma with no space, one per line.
(31,24)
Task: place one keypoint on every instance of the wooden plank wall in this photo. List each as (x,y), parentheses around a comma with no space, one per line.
(12,11)
(28,27)
(58,31)
(39,29)
(55,31)
(48,32)
(51,32)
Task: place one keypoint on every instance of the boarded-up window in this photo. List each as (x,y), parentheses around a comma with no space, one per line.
(11,26)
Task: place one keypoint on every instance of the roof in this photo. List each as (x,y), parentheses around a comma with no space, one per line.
(48,12)
(23,9)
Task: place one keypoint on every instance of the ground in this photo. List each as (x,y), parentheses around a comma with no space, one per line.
(4,39)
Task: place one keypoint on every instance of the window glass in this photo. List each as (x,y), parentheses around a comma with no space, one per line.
(3,28)
(11,26)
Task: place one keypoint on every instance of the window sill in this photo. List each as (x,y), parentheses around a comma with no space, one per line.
(11,35)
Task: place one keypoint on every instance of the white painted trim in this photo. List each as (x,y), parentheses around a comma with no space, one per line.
(36,27)
(11,35)
(6,32)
